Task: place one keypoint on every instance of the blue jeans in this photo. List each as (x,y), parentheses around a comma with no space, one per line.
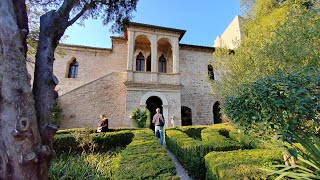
(160,129)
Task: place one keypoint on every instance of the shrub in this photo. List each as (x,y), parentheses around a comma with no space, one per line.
(241,164)
(144,158)
(192,131)
(104,141)
(139,118)
(277,104)
(57,115)
(191,152)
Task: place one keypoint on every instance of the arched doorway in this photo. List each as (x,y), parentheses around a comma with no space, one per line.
(186,116)
(153,103)
(216,113)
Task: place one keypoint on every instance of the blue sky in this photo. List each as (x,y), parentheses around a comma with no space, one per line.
(203,20)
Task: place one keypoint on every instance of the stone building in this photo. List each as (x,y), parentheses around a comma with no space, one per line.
(147,67)
(232,35)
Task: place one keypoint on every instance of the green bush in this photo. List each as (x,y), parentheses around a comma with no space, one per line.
(278,104)
(241,164)
(57,115)
(139,118)
(192,131)
(91,130)
(191,152)
(144,158)
(104,141)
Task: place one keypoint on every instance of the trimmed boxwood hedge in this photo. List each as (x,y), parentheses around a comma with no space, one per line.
(191,152)
(192,131)
(65,142)
(241,164)
(145,158)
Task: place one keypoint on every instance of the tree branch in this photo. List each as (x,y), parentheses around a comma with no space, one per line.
(75,18)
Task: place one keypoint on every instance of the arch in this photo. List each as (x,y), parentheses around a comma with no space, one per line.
(163,38)
(165,56)
(149,94)
(216,113)
(186,116)
(140,62)
(73,68)
(152,104)
(162,64)
(165,110)
(139,36)
(210,72)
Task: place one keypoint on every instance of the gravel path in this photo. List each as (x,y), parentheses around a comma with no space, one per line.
(180,170)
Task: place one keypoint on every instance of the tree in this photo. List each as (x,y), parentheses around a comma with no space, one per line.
(26,125)
(277,37)
(271,83)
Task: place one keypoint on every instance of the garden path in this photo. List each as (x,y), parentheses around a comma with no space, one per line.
(180,170)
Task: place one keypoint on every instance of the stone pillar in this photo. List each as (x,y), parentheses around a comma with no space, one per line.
(130,56)
(176,59)
(165,112)
(154,61)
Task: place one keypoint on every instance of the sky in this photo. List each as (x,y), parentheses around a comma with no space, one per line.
(203,20)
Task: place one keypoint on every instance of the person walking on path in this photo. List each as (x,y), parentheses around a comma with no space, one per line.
(158,121)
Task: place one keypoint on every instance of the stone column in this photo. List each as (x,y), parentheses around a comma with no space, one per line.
(176,59)
(130,56)
(154,61)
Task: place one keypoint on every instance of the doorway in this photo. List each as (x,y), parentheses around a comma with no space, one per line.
(186,116)
(216,113)
(153,103)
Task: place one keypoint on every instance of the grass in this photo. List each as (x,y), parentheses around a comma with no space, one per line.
(89,166)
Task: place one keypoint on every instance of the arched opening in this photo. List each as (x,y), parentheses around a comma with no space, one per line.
(162,64)
(216,113)
(186,116)
(140,62)
(165,59)
(153,103)
(210,72)
(73,69)
(142,47)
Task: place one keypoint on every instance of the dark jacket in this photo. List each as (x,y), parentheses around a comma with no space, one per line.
(158,120)
(104,125)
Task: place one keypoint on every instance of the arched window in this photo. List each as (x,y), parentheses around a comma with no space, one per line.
(210,72)
(140,62)
(162,64)
(149,63)
(73,69)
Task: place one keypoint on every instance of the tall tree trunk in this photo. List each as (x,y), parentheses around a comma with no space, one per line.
(52,27)
(20,142)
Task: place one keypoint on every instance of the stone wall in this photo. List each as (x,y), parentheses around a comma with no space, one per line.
(82,106)
(196,91)
(93,64)
(170,99)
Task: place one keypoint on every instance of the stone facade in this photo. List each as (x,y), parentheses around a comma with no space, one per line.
(113,81)
(231,36)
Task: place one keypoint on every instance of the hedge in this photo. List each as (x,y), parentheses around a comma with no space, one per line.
(192,131)
(64,142)
(90,130)
(191,152)
(241,164)
(145,158)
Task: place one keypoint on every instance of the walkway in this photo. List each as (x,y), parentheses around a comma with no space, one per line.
(180,170)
